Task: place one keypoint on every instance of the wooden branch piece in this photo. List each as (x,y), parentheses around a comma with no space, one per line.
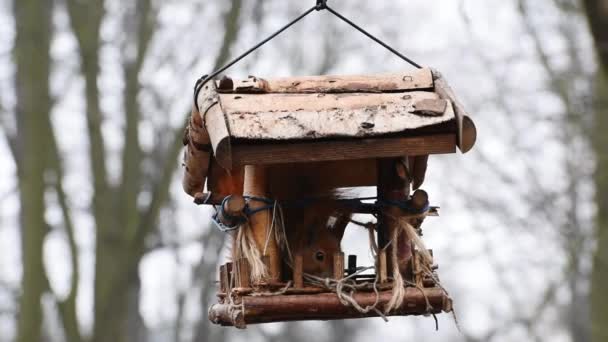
(469,135)
(197,155)
(325,306)
(219,136)
(232,210)
(256,185)
(420,199)
(418,166)
(443,89)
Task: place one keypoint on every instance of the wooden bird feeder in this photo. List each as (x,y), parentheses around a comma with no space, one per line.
(243,133)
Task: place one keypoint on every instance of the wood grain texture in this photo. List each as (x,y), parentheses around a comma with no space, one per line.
(317,116)
(219,135)
(298,271)
(327,175)
(256,185)
(469,134)
(443,89)
(197,155)
(338,266)
(297,152)
(324,306)
(407,80)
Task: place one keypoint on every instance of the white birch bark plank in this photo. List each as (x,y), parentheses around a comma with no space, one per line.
(315,116)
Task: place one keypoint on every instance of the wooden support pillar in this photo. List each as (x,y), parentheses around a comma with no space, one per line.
(393,185)
(223,279)
(197,156)
(256,185)
(381,267)
(243,274)
(298,272)
(338,265)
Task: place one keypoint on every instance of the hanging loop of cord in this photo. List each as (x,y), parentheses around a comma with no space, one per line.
(319,6)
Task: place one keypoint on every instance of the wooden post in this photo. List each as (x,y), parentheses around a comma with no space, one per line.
(338,265)
(229,276)
(298,272)
(256,185)
(224,285)
(391,187)
(197,155)
(242,273)
(382,269)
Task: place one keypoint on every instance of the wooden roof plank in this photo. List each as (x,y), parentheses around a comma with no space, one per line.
(403,81)
(318,116)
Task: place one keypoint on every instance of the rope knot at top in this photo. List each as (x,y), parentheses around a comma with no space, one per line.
(321,5)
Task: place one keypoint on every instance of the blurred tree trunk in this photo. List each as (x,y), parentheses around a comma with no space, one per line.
(116,312)
(597,13)
(121,225)
(32,58)
(109,309)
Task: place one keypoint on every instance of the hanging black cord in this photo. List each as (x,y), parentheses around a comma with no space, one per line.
(320,5)
(201,81)
(372,37)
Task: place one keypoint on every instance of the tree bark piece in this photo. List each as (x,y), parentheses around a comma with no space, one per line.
(430,107)
(418,166)
(219,136)
(278,117)
(324,306)
(411,80)
(197,155)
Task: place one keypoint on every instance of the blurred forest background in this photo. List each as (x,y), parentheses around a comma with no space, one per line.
(99,243)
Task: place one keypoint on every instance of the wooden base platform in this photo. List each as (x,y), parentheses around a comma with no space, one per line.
(325,306)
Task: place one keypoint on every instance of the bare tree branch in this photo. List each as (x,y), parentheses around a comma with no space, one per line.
(142,16)
(67,307)
(161,189)
(85,18)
